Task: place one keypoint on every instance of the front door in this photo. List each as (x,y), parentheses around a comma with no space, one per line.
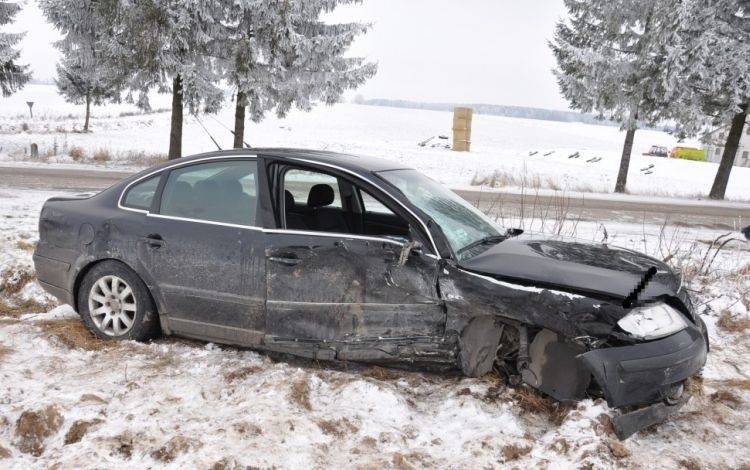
(205,254)
(331,281)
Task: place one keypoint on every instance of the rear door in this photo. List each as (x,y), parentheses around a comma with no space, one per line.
(204,251)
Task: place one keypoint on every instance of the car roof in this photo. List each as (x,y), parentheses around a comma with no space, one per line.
(347,161)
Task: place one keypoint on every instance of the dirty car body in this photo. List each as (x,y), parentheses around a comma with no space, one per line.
(340,257)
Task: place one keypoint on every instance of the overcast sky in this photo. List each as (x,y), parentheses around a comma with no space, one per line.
(471,51)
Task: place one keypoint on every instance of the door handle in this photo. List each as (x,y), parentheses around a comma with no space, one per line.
(153,240)
(286,260)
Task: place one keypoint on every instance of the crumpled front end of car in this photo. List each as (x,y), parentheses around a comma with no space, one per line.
(640,369)
(572,346)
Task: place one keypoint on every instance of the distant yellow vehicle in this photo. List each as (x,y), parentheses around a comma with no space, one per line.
(688,153)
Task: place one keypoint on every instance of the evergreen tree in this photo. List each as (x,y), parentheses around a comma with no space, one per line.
(84,75)
(710,74)
(169,46)
(13,76)
(281,54)
(611,59)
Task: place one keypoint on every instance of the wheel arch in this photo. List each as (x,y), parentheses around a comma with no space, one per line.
(86,268)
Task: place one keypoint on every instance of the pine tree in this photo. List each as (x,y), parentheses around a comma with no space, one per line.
(169,46)
(281,54)
(84,75)
(611,60)
(710,68)
(13,76)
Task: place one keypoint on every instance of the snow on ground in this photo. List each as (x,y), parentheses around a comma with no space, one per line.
(500,148)
(70,401)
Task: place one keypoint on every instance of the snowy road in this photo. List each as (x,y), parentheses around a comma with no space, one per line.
(578,206)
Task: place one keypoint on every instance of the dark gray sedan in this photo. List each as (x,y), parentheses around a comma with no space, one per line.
(341,257)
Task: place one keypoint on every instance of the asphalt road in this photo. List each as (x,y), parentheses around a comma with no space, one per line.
(591,207)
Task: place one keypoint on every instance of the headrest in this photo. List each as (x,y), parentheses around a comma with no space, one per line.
(206,186)
(320,195)
(288,199)
(233,187)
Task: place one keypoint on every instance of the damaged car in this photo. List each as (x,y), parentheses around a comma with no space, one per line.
(341,257)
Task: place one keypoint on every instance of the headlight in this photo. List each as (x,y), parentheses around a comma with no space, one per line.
(652,322)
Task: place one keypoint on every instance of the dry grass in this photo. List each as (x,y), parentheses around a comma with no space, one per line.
(72,333)
(731,323)
(727,397)
(173,448)
(690,464)
(514,452)
(34,427)
(13,279)
(532,401)
(241,373)
(78,154)
(25,245)
(101,155)
(4,351)
(338,428)
(741,384)
(142,158)
(79,429)
(694,386)
(16,309)
(381,373)
(300,394)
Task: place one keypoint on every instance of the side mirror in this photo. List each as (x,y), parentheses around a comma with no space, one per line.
(409,248)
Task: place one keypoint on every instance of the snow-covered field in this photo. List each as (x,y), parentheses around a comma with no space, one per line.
(69,401)
(499,157)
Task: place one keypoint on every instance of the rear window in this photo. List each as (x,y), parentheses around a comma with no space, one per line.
(142,194)
(225,191)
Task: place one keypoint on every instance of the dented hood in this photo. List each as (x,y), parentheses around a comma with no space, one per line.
(590,269)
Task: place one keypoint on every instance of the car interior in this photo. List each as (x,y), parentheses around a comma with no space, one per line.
(323,203)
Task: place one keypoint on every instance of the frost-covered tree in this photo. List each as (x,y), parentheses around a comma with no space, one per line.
(84,75)
(13,76)
(611,59)
(710,74)
(282,54)
(168,45)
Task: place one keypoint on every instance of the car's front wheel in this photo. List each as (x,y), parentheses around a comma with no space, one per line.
(114,303)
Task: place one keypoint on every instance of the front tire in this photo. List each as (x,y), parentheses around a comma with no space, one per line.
(115,304)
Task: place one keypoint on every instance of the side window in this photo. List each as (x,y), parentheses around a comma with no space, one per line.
(300,184)
(313,202)
(142,194)
(372,205)
(217,192)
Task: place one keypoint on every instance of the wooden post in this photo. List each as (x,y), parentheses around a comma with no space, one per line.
(462,129)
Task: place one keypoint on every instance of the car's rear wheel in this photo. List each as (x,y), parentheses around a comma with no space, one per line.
(114,303)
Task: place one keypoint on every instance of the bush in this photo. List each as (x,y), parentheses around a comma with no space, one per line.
(77,153)
(102,155)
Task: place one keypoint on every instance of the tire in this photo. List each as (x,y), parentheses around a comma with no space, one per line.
(115,304)
(478,346)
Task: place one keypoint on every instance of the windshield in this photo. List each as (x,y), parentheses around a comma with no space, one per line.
(461,223)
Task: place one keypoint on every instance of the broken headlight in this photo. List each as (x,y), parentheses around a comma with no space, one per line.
(653,321)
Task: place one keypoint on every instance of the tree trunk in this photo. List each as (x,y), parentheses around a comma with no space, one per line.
(239,121)
(88,112)
(175,133)
(627,149)
(719,187)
